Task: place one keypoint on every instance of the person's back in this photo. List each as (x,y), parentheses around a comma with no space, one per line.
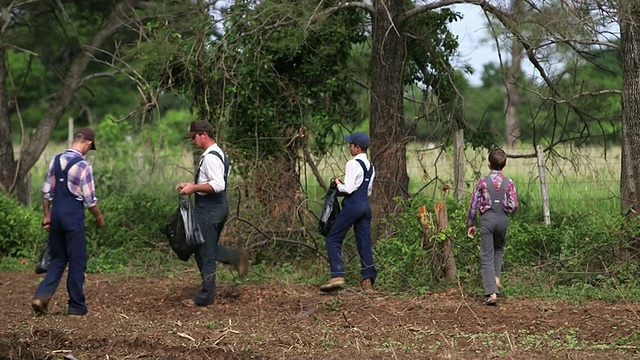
(494,197)
(68,188)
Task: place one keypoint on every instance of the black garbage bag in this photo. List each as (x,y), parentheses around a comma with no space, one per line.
(44,259)
(330,210)
(183,231)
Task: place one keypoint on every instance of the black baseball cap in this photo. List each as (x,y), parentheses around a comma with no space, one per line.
(87,134)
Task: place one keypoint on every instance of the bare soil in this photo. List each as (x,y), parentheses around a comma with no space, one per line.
(143,318)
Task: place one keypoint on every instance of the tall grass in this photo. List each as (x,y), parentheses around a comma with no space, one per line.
(575,176)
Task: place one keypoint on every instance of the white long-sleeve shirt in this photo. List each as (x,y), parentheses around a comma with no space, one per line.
(354,175)
(212,169)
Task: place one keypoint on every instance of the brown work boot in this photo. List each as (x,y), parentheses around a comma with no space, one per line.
(366,285)
(243,264)
(335,283)
(39,306)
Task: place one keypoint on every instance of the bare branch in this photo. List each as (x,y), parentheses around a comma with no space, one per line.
(348,5)
(575,97)
(98,75)
(444,3)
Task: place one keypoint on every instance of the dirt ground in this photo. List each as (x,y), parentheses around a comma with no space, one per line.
(143,318)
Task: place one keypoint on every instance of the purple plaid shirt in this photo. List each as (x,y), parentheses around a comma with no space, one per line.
(80,179)
(480,198)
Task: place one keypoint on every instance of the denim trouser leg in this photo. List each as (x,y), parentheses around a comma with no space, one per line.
(77,254)
(362,230)
(345,219)
(206,260)
(492,235)
(56,267)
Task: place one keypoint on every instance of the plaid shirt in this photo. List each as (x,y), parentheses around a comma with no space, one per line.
(480,199)
(79,179)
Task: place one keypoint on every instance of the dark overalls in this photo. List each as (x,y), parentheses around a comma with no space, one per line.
(355,211)
(493,233)
(212,211)
(67,243)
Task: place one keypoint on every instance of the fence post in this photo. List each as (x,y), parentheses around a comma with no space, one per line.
(542,174)
(70,132)
(458,161)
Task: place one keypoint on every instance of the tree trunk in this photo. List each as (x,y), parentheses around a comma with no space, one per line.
(8,168)
(388,141)
(512,95)
(630,52)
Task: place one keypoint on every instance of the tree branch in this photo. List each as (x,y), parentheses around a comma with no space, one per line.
(444,3)
(348,5)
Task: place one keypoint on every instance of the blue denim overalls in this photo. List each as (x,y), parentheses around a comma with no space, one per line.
(67,243)
(356,211)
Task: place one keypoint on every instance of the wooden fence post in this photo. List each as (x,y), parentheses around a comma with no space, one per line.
(542,174)
(458,162)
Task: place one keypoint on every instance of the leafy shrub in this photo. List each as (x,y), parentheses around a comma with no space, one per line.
(20,231)
(133,220)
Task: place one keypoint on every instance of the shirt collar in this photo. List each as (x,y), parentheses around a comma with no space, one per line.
(361,156)
(76,151)
(212,147)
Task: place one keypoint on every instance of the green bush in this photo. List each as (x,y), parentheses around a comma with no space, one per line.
(20,231)
(133,220)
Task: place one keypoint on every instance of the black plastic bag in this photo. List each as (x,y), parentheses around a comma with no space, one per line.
(44,259)
(330,210)
(183,231)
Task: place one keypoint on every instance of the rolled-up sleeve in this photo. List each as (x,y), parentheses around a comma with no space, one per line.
(512,204)
(88,187)
(48,186)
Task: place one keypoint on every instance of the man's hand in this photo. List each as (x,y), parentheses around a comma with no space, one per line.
(46,223)
(187,189)
(338,181)
(100,222)
(472,231)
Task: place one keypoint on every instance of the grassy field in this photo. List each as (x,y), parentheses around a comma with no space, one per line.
(574,176)
(585,175)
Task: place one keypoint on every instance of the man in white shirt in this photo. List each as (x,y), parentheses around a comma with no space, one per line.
(356,212)
(212,210)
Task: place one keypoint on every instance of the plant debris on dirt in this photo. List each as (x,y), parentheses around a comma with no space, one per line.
(134,317)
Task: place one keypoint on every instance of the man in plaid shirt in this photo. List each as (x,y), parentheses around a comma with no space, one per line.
(68,188)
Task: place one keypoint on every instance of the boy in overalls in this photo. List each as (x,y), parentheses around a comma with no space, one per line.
(495,196)
(356,212)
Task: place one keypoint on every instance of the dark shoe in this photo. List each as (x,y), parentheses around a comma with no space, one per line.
(243,264)
(335,283)
(491,300)
(366,285)
(75,313)
(39,306)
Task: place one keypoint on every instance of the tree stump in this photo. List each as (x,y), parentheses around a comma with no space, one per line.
(441,252)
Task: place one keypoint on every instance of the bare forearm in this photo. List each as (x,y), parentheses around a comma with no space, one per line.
(46,208)
(95,211)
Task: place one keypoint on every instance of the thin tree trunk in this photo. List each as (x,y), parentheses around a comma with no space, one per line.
(512,95)
(630,52)
(388,142)
(8,168)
